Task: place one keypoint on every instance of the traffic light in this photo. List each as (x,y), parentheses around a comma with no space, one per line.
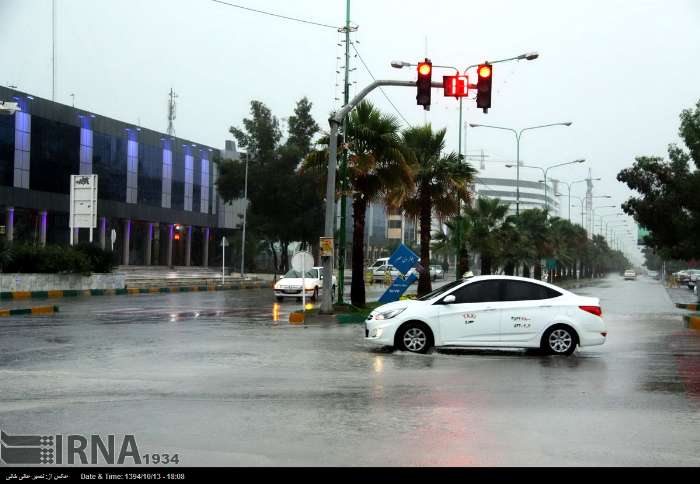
(455,86)
(483,87)
(424,83)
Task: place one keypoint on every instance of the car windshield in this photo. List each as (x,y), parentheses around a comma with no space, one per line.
(441,290)
(297,274)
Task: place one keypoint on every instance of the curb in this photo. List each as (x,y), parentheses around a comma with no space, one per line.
(692,321)
(689,307)
(24,311)
(130,291)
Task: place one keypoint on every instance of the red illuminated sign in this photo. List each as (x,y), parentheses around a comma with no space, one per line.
(456,86)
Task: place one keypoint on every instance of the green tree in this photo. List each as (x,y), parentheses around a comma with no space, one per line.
(441,183)
(487,215)
(284,204)
(668,204)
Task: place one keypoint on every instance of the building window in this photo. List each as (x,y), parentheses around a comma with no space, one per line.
(189,178)
(132,164)
(86,146)
(167,174)
(23,132)
(204,205)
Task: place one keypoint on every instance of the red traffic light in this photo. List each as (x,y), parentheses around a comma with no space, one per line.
(485,71)
(455,86)
(424,68)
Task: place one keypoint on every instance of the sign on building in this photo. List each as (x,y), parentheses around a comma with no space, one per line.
(642,234)
(83,203)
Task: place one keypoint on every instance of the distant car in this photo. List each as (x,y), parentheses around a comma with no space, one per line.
(490,311)
(290,284)
(437,272)
(630,275)
(653,274)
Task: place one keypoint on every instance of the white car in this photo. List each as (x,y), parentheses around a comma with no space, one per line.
(290,284)
(381,267)
(630,275)
(490,311)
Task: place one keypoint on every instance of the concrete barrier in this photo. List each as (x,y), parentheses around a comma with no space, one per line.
(26,311)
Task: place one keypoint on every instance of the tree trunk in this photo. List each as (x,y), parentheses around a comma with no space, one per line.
(485,265)
(526,270)
(424,285)
(274,257)
(509,269)
(538,270)
(284,256)
(357,287)
(462,263)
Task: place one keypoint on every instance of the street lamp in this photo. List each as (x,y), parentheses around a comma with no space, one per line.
(518,135)
(581,200)
(569,185)
(544,171)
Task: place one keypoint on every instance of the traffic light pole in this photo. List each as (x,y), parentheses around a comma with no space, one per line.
(335,122)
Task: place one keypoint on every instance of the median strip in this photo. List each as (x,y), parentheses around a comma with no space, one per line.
(37,310)
(13,295)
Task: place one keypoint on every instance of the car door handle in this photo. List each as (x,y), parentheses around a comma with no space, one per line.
(489,309)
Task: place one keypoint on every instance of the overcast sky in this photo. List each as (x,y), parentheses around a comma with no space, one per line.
(620,70)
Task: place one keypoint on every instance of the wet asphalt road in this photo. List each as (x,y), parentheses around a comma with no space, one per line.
(212,377)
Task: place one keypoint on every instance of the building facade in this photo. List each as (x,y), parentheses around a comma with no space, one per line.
(500,182)
(157,202)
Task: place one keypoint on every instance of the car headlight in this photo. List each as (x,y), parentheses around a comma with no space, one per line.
(392,313)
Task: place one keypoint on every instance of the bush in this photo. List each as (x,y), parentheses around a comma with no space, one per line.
(53,259)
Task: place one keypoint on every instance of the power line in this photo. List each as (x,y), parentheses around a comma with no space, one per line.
(381,89)
(271,14)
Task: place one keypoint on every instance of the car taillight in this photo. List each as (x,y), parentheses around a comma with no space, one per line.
(592,309)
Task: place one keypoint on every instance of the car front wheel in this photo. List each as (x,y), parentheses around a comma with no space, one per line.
(415,338)
(559,340)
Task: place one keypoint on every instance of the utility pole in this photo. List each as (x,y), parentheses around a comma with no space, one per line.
(53,50)
(344,161)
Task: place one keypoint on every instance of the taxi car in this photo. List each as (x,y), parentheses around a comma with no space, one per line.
(490,311)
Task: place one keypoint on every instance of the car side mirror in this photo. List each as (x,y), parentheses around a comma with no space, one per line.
(281,277)
(449,299)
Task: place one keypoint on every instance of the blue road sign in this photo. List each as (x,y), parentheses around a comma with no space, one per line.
(397,289)
(403,259)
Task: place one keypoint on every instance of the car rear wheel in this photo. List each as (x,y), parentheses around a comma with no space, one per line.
(415,338)
(559,340)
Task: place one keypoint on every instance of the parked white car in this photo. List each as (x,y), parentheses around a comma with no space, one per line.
(290,284)
(490,311)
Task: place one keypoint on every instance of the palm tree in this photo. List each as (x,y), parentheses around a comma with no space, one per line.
(456,241)
(376,169)
(487,216)
(442,182)
(533,222)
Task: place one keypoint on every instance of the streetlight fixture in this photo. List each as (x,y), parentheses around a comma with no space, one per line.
(544,171)
(581,200)
(569,185)
(518,135)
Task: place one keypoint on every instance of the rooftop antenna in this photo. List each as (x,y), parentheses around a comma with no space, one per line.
(171,112)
